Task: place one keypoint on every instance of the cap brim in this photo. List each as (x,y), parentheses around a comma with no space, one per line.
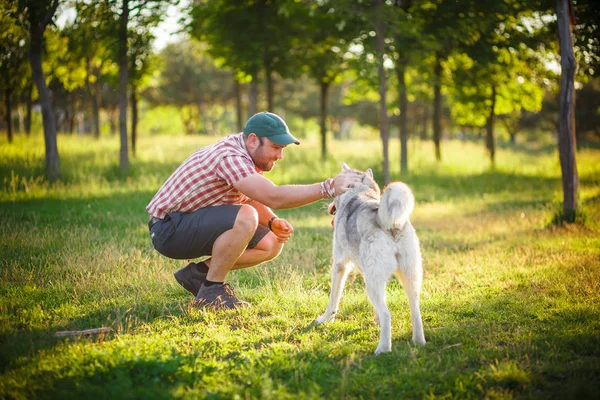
(284,140)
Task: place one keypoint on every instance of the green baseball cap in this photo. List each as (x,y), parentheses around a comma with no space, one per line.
(271,126)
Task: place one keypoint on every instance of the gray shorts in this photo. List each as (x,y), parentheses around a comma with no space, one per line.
(192,235)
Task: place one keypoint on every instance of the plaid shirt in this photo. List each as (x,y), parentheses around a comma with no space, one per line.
(206,179)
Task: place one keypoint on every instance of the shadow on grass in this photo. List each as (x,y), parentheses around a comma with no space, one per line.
(552,353)
(74,167)
(435,187)
(106,212)
(428,185)
(21,341)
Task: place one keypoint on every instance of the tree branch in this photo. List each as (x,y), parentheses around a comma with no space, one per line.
(48,18)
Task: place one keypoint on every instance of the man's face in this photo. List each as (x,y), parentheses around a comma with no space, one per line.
(265,153)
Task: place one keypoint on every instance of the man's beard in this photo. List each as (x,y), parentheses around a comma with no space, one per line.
(262,165)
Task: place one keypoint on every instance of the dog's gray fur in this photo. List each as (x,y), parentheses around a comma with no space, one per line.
(374,234)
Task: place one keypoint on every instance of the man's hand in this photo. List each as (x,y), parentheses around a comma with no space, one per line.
(344,181)
(282,229)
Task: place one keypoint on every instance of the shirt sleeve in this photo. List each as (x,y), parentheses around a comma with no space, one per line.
(233,168)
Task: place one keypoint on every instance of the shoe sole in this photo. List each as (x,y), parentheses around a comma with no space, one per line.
(218,305)
(190,283)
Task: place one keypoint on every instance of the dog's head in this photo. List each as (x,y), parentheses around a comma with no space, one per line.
(367,185)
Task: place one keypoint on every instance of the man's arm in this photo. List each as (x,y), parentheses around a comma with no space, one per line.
(264,212)
(279,226)
(261,189)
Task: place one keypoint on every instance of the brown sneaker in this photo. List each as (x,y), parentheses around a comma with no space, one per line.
(219,296)
(191,278)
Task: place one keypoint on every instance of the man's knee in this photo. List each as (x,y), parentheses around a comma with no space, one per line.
(272,246)
(247,219)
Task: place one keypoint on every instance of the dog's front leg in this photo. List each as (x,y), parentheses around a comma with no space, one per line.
(339,273)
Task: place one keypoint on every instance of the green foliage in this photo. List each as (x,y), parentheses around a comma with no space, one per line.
(190,80)
(247,37)
(586,34)
(14,62)
(88,47)
(510,306)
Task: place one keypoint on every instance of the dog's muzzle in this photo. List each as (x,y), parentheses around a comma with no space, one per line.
(331,208)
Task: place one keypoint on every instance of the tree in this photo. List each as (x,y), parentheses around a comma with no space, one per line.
(14,69)
(248,37)
(409,43)
(492,80)
(380,28)
(123,81)
(38,14)
(142,14)
(142,63)
(450,25)
(191,81)
(566,133)
(320,47)
(90,45)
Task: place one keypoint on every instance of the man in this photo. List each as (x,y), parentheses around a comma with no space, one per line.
(219,204)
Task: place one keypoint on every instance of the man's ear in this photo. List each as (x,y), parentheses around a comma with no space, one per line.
(252,141)
(369,173)
(345,167)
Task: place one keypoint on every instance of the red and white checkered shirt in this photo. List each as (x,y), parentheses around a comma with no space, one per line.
(206,179)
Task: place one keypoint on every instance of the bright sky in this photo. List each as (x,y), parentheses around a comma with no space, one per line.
(165,32)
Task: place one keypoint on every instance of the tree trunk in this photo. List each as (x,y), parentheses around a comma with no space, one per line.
(113,120)
(402,123)
(437,106)
(566,133)
(21,118)
(72,116)
(67,117)
(512,127)
(270,89)
(134,119)
(253,106)
(123,79)
(49,122)
(7,104)
(425,122)
(94,97)
(383,117)
(29,102)
(238,104)
(96,113)
(206,123)
(490,140)
(323,118)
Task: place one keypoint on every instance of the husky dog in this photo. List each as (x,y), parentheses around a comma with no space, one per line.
(373,233)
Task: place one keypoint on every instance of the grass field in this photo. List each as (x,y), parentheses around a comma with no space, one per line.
(511,304)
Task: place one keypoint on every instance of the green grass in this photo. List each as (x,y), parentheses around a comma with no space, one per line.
(511,304)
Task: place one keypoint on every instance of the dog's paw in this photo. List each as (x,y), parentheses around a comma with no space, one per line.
(323,318)
(383,349)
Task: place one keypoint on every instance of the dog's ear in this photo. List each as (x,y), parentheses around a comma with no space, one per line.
(345,167)
(369,173)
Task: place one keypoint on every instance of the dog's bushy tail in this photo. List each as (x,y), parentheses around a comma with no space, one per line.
(395,207)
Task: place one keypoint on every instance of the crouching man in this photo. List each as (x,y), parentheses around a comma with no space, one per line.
(219,204)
